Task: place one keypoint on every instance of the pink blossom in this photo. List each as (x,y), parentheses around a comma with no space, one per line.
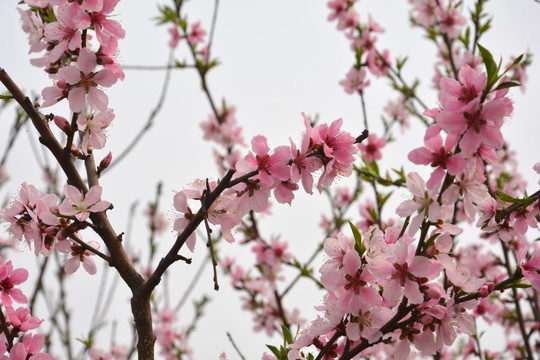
(9,278)
(94,126)
(470,187)
(338,8)
(397,111)
(175,36)
(531,268)
(224,131)
(424,12)
(438,156)
(105,27)
(181,205)
(338,150)
(377,64)
(222,211)
(455,94)
(371,150)
(197,33)
(366,322)
(536,168)
(81,80)
(269,166)
(78,255)
(65,33)
(478,124)
(95,354)
(33,25)
(21,319)
(303,166)
(79,205)
(348,19)
(456,319)
(450,21)
(423,202)
(400,273)
(28,349)
(355,81)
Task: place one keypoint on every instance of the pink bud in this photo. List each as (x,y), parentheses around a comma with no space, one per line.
(427,319)
(62,124)
(486,289)
(75,152)
(104,163)
(483,291)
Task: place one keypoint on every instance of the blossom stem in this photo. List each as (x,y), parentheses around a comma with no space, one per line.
(209,243)
(364,113)
(328,345)
(6,331)
(89,248)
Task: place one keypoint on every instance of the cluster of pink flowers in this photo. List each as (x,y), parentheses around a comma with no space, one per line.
(45,225)
(363,39)
(443,16)
(18,322)
(79,73)
(227,134)
(389,274)
(172,342)
(325,148)
(260,293)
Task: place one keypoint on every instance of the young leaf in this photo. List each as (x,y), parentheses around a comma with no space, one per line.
(491,67)
(287,337)
(274,350)
(358,243)
(507,84)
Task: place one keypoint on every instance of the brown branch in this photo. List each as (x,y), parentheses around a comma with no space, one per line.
(171,256)
(104,229)
(7,333)
(208,234)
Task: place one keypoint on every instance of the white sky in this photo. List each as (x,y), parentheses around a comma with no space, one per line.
(278,58)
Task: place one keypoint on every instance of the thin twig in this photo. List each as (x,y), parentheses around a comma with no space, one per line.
(90,248)
(151,118)
(39,284)
(156,67)
(208,234)
(235,347)
(191,285)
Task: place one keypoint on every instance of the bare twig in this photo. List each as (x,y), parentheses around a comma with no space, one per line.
(235,346)
(151,118)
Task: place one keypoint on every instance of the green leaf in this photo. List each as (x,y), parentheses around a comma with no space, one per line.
(167,14)
(358,243)
(518,286)
(430,241)
(384,198)
(507,84)
(507,198)
(286,335)
(7,96)
(518,60)
(491,66)
(274,350)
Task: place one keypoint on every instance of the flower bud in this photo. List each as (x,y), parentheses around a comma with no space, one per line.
(62,124)
(75,152)
(104,163)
